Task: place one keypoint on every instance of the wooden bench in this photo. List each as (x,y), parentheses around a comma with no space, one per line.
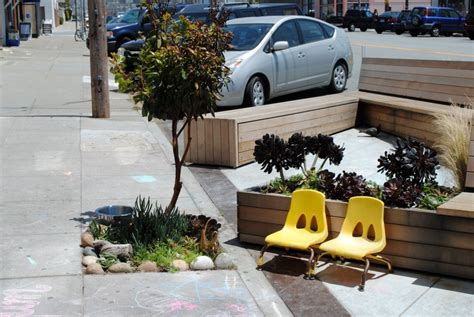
(402,95)
(228,139)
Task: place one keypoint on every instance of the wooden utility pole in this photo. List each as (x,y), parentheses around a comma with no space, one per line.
(98,59)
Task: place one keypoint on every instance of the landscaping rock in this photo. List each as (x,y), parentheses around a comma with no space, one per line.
(148,266)
(89,251)
(224,262)
(94,268)
(120,268)
(121,251)
(180,265)
(99,244)
(202,263)
(87,240)
(88,260)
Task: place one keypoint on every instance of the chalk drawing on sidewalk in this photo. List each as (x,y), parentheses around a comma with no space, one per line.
(21,302)
(144,179)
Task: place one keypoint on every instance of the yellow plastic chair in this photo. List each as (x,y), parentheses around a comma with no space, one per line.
(301,234)
(368,212)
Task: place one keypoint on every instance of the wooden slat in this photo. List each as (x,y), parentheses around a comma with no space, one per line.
(420,86)
(449,81)
(216,140)
(470,179)
(201,141)
(233,143)
(460,206)
(225,146)
(426,71)
(193,157)
(459,65)
(209,141)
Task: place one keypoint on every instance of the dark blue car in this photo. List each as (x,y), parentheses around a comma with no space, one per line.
(435,21)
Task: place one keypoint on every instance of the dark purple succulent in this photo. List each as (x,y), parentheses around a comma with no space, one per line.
(325,181)
(297,150)
(410,160)
(348,185)
(271,152)
(399,193)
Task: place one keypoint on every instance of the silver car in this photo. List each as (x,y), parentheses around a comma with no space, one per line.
(278,55)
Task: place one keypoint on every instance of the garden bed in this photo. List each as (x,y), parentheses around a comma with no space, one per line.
(417,239)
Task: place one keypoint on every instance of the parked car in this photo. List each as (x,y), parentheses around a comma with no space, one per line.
(200,12)
(469,24)
(335,20)
(435,20)
(274,56)
(400,25)
(362,19)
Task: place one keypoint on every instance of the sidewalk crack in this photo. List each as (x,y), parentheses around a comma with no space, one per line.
(421,295)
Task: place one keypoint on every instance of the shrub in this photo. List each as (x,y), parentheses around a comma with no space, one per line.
(434,196)
(454,129)
(411,161)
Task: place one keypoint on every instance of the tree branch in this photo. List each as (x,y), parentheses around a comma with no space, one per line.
(188,144)
(184,126)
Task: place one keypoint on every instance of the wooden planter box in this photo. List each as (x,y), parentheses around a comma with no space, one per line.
(417,239)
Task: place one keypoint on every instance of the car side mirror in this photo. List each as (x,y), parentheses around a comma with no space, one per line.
(280,45)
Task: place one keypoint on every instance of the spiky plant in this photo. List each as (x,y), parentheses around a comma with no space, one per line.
(454,129)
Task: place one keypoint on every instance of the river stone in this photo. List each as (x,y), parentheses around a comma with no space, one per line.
(99,244)
(148,266)
(121,251)
(120,268)
(87,260)
(224,262)
(87,240)
(94,268)
(89,251)
(202,263)
(180,265)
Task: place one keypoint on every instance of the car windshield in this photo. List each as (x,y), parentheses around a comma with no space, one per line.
(419,11)
(130,17)
(247,36)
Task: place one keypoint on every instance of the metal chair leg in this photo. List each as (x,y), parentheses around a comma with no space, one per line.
(317,260)
(364,275)
(260,258)
(383,260)
(310,264)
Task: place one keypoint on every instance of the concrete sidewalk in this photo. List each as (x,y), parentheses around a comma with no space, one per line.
(58,165)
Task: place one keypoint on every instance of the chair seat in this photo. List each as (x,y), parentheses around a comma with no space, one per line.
(295,238)
(352,247)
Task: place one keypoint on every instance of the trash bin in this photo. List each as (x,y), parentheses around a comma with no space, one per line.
(25,31)
(13,38)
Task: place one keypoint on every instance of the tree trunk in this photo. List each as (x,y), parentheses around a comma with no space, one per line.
(177,166)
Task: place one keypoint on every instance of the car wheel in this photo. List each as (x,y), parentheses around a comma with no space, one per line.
(351,27)
(414,33)
(379,31)
(399,32)
(363,28)
(255,92)
(434,31)
(471,35)
(448,34)
(338,78)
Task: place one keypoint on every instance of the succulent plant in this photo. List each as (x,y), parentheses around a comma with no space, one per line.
(326,181)
(400,193)
(297,150)
(348,185)
(197,223)
(410,160)
(272,153)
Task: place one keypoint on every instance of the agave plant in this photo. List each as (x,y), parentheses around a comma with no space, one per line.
(410,160)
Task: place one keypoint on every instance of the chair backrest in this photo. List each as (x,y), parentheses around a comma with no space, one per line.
(309,204)
(367,211)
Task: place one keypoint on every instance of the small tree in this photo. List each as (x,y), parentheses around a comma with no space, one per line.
(179,75)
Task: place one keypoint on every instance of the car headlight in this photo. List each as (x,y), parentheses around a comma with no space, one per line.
(110,34)
(121,51)
(234,64)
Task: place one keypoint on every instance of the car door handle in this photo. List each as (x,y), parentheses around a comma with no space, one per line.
(301,55)
(330,48)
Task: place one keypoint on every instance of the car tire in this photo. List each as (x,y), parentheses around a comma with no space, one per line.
(255,92)
(379,31)
(434,31)
(399,32)
(414,33)
(471,35)
(363,28)
(351,27)
(338,78)
(448,34)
